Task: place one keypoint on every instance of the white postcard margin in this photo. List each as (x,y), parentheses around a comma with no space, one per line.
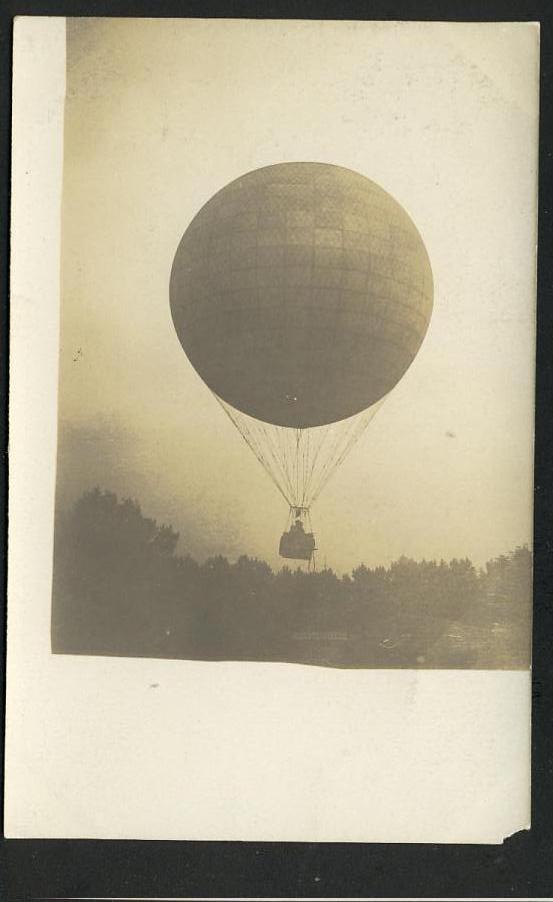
(149,749)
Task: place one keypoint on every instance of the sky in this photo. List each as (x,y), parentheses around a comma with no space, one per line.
(160,114)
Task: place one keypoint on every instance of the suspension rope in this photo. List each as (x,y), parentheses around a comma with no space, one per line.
(324,431)
(297,462)
(244,432)
(354,437)
(305,467)
(280,442)
(340,437)
(278,463)
(293,458)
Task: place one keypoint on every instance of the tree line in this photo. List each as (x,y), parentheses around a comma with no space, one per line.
(121,588)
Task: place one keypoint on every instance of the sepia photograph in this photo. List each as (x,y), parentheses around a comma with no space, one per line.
(272,366)
(296,363)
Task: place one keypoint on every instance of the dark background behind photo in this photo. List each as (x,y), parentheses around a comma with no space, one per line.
(522,866)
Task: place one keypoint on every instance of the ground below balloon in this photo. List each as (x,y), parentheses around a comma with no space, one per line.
(119,588)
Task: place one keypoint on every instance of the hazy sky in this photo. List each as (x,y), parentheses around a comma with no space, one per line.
(160,114)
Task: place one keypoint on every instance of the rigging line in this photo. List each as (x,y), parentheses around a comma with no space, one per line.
(297,462)
(358,425)
(340,449)
(290,441)
(345,439)
(342,439)
(355,436)
(310,524)
(305,466)
(322,435)
(275,465)
(278,443)
(339,435)
(276,461)
(300,451)
(308,454)
(256,442)
(259,456)
(253,442)
(317,443)
(331,430)
(264,443)
(352,441)
(281,442)
(299,481)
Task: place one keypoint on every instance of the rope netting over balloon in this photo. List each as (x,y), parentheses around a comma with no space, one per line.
(300,462)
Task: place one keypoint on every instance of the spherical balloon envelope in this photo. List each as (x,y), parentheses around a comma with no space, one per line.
(301,293)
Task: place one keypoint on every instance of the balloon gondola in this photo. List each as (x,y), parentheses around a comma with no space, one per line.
(301,293)
(298,543)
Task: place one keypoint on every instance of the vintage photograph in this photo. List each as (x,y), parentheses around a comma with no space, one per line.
(272,343)
(296,369)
